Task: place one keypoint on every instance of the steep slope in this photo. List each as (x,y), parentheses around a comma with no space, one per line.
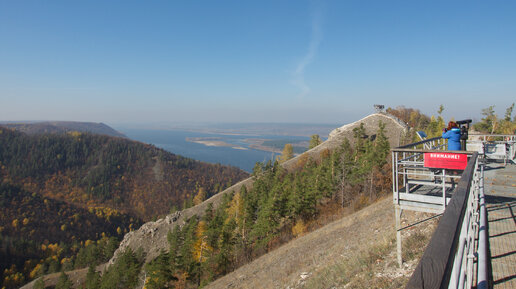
(310,261)
(32,128)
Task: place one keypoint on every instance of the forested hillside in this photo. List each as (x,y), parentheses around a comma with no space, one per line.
(94,170)
(280,205)
(41,235)
(72,191)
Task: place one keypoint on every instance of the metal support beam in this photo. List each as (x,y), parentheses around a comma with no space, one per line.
(398,212)
(444,189)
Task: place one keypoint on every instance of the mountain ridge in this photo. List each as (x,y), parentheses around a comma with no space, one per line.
(42,127)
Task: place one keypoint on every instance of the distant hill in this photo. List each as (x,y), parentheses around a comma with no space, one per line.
(67,188)
(32,128)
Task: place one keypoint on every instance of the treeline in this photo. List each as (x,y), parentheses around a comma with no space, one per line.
(493,124)
(279,206)
(490,123)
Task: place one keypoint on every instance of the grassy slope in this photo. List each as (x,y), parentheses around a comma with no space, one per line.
(358,250)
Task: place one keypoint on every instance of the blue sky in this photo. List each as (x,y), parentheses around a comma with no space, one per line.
(253,61)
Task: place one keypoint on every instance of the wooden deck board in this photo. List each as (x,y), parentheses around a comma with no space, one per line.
(500,189)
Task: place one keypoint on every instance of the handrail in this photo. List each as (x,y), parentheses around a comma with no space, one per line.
(490,135)
(418,143)
(435,267)
(429,151)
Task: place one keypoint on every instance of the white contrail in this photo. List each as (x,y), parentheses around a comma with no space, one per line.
(315,40)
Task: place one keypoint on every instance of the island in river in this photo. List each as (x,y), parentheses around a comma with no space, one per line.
(267,145)
(214,142)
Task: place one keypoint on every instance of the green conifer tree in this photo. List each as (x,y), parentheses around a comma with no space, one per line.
(287,154)
(92,278)
(39,284)
(63,282)
(315,140)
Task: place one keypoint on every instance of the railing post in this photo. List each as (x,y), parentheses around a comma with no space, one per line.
(444,188)
(398,234)
(394,175)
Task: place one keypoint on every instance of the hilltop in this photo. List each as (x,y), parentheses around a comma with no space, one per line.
(32,128)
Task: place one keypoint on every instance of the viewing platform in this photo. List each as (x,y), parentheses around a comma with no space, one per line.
(474,192)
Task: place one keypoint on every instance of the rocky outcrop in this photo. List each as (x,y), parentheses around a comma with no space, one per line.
(395,130)
(151,237)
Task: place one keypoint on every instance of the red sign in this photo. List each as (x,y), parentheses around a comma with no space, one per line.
(450,161)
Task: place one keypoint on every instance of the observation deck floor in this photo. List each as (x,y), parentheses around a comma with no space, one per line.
(500,191)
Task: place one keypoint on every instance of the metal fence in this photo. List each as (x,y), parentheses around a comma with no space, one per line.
(459,242)
(494,146)
(463,265)
(409,174)
(457,255)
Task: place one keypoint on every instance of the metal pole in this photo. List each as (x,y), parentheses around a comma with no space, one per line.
(444,189)
(394,175)
(398,234)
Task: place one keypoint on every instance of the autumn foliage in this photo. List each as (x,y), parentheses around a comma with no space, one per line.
(78,189)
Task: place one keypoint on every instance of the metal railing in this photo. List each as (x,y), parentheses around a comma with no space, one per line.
(457,255)
(494,146)
(462,271)
(459,240)
(409,172)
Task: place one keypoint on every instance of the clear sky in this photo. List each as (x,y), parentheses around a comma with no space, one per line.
(253,61)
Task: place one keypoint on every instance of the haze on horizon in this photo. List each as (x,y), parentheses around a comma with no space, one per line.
(263,61)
